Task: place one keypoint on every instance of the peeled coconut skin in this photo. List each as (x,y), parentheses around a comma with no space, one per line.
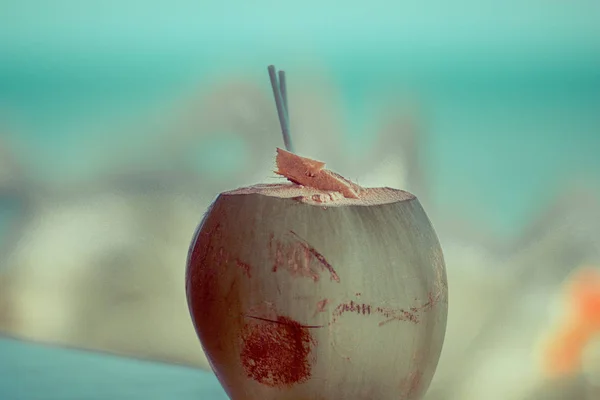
(303,293)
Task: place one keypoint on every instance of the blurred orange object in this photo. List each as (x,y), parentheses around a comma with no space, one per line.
(564,353)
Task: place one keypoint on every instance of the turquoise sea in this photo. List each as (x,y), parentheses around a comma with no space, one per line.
(504,132)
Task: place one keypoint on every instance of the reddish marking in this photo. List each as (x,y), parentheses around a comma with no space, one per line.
(400,314)
(413,384)
(276,352)
(318,256)
(295,259)
(245,267)
(298,257)
(321,305)
(222,256)
(353,307)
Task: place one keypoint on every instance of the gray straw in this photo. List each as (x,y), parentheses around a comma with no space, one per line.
(280,95)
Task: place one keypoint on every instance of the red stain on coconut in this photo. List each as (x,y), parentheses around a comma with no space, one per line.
(351,307)
(411,315)
(276,353)
(244,267)
(334,276)
(321,305)
(298,257)
(412,384)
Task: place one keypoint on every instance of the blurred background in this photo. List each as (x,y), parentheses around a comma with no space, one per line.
(120,121)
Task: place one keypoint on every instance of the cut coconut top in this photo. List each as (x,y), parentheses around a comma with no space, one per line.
(311,183)
(310,173)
